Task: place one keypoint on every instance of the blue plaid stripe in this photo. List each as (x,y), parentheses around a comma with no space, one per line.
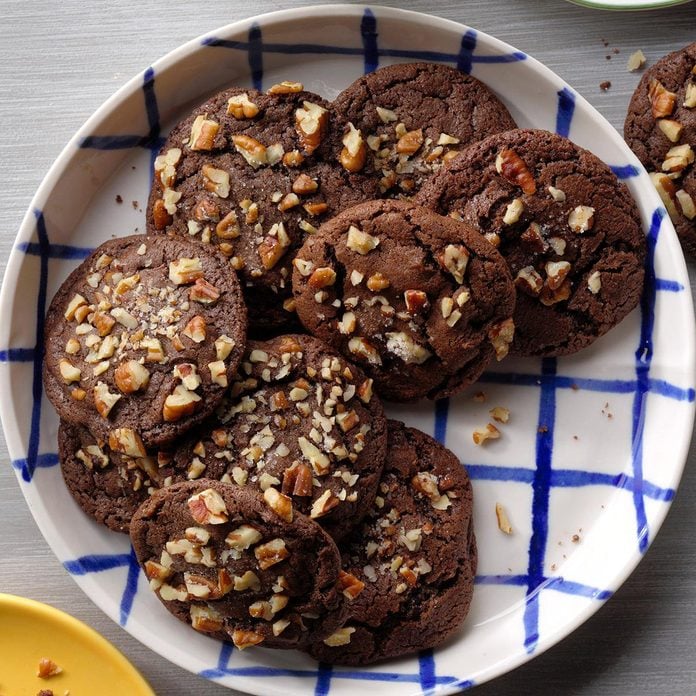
(543,478)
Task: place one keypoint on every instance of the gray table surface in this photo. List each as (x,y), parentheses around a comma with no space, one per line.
(60,60)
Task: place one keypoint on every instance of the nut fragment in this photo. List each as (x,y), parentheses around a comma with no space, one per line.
(322,278)
(216,181)
(354,152)
(319,461)
(678,158)
(349,585)
(513,168)
(500,414)
(360,242)
(165,166)
(500,335)
(690,96)
(203,132)
(304,185)
(665,187)
(377,281)
(636,61)
(386,115)
(311,122)
(557,195)
(416,301)
(160,216)
(184,271)
(195,329)
(671,129)
(323,504)
(206,619)
(130,376)
(556,272)
(69,372)
(279,503)
(489,432)
(503,521)
(271,553)
(251,149)
(455,259)
(529,281)
(104,400)
(245,639)
(513,211)
(208,507)
(181,403)
(362,348)
(594,283)
(403,346)
(127,441)
(686,203)
(48,668)
(76,301)
(409,143)
(340,637)
(662,101)
(243,537)
(204,292)
(240,106)
(248,581)
(286,87)
(581,219)
(347,324)
(272,248)
(297,480)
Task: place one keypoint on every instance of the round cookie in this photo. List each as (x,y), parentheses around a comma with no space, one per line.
(234,565)
(420,301)
(245,172)
(109,486)
(302,421)
(660,128)
(413,117)
(408,571)
(565,224)
(142,339)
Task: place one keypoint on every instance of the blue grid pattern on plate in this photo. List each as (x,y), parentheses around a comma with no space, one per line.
(543,478)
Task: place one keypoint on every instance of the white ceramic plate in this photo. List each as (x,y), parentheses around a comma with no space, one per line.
(596,443)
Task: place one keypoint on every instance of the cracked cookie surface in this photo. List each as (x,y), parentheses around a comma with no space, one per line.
(235,566)
(412,118)
(142,340)
(660,128)
(302,421)
(408,570)
(252,174)
(421,302)
(109,485)
(567,227)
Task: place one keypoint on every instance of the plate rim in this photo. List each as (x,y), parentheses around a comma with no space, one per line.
(614,6)
(341,10)
(59,619)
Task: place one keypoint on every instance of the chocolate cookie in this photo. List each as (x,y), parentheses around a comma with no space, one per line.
(402,122)
(422,302)
(408,571)
(245,172)
(142,339)
(567,227)
(109,486)
(238,565)
(303,421)
(661,129)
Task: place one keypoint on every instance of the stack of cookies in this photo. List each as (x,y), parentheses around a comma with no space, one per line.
(219,379)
